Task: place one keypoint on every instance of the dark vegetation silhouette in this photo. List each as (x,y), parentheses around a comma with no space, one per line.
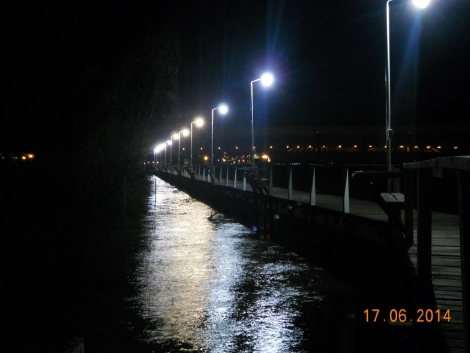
(118,122)
(70,220)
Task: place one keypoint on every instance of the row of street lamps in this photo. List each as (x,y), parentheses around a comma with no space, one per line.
(267,79)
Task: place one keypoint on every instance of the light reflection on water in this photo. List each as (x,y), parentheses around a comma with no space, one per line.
(209,284)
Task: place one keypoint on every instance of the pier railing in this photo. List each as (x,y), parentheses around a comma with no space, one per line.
(334,180)
(329,179)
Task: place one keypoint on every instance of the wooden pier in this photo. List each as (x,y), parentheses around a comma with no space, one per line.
(436,242)
(440,252)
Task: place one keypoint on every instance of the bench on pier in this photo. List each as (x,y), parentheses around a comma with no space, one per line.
(390,202)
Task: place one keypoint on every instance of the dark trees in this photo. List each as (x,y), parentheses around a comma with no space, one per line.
(113,129)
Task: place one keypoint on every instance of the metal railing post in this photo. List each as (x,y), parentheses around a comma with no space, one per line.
(313,191)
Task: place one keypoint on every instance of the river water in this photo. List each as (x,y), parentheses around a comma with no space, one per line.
(206,283)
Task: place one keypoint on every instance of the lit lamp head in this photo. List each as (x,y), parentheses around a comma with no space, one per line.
(267,79)
(199,122)
(175,136)
(185,132)
(223,109)
(168,142)
(422,4)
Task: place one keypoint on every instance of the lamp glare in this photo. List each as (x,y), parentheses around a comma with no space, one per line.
(223,109)
(267,79)
(422,4)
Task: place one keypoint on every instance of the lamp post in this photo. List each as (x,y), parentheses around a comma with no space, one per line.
(160,148)
(389,131)
(185,133)
(267,79)
(199,122)
(168,142)
(173,137)
(155,151)
(223,109)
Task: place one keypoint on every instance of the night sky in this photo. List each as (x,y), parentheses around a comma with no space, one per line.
(328,58)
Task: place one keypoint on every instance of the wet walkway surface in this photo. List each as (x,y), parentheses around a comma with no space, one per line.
(208,284)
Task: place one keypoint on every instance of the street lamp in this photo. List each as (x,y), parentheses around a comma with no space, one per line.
(389,132)
(223,109)
(199,122)
(266,80)
(173,137)
(185,133)
(160,148)
(167,143)
(155,151)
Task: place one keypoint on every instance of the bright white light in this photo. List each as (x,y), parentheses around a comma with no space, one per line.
(168,142)
(175,137)
(199,122)
(422,4)
(267,79)
(223,109)
(185,132)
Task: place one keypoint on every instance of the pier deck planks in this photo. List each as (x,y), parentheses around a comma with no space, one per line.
(446,275)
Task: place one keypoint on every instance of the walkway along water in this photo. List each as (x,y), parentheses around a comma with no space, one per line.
(284,211)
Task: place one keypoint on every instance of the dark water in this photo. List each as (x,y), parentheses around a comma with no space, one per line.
(209,284)
(201,282)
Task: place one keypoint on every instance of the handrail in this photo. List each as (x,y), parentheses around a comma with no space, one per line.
(457,162)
